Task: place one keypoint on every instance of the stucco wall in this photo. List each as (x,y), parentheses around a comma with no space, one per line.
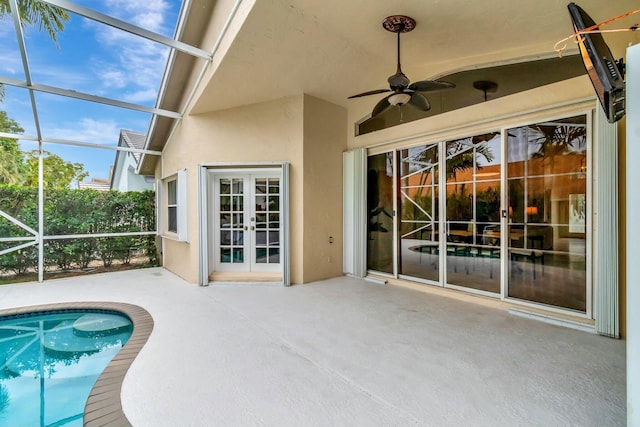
(324,143)
(271,131)
(302,130)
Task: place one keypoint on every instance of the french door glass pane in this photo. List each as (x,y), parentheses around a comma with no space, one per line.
(547,185)
(267,220)
(231,220)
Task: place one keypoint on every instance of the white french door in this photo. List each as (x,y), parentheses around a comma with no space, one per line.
(247,213)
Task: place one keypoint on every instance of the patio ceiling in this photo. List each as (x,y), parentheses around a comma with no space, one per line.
(332,49)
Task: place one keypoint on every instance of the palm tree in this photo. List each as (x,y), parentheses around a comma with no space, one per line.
(552,141)
(35,12)
(555,140)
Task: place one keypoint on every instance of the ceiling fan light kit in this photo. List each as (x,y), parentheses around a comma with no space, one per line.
(399,98)
(404,92)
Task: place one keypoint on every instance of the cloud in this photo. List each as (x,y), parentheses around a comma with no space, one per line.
(104,132)
(10,63)
(132,65)
(136,67)
(10,60)
(113,77)
(141,96)
(148,14)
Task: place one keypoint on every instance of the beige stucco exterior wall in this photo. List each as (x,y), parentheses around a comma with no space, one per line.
(324,143)
(302,130)
(270,131)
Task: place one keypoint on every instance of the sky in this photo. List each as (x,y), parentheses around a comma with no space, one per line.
(91,58)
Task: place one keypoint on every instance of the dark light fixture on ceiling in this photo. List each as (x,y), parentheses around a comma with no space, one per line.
(486,86)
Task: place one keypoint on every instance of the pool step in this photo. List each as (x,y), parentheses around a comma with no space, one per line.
(100,325)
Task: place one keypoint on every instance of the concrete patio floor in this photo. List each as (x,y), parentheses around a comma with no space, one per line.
(346,352)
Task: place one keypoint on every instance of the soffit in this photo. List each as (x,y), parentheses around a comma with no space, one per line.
(175,85)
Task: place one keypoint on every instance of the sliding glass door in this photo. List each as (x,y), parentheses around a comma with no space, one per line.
(380,213)
(473,212)
(419,213)
(516,229)
(548,227)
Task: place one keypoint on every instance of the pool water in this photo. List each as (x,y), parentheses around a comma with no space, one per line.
(50,361)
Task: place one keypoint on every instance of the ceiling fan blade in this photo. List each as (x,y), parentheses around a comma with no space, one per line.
(419,101)
(371,92)
(430,85)
(382,105)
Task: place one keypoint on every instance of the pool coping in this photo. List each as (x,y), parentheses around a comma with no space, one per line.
(104,406)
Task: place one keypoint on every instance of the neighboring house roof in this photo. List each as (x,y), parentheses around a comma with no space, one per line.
(100,184)
(129,139)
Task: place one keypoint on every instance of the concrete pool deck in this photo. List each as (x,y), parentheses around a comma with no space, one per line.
(346,352)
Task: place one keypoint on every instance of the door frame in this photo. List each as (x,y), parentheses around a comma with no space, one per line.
(205,207)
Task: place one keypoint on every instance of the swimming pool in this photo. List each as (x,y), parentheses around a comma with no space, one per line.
(50,361)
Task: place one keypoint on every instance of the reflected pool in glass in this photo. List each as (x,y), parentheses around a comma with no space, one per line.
(49,363)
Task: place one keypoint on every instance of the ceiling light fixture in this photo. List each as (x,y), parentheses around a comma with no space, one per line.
(486,86)
(399,99)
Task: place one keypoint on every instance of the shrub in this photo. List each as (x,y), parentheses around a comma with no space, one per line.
(69,212)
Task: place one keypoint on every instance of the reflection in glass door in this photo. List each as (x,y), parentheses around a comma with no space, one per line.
(419,212)
(230,229)
(467,220)
(380,213)
(547,186)
(473,212)
(266,215)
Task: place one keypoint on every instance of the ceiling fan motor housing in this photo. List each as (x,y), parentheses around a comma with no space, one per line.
(398,81)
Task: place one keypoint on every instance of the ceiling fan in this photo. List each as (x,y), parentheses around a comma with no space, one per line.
(404,92)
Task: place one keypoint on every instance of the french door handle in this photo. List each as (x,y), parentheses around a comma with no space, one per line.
(252,228)
(246,228)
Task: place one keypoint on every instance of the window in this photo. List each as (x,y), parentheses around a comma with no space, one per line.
(174,205)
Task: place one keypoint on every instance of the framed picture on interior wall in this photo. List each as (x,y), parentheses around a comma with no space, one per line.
(577,213)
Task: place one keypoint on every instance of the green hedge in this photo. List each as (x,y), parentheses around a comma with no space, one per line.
(68,212)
